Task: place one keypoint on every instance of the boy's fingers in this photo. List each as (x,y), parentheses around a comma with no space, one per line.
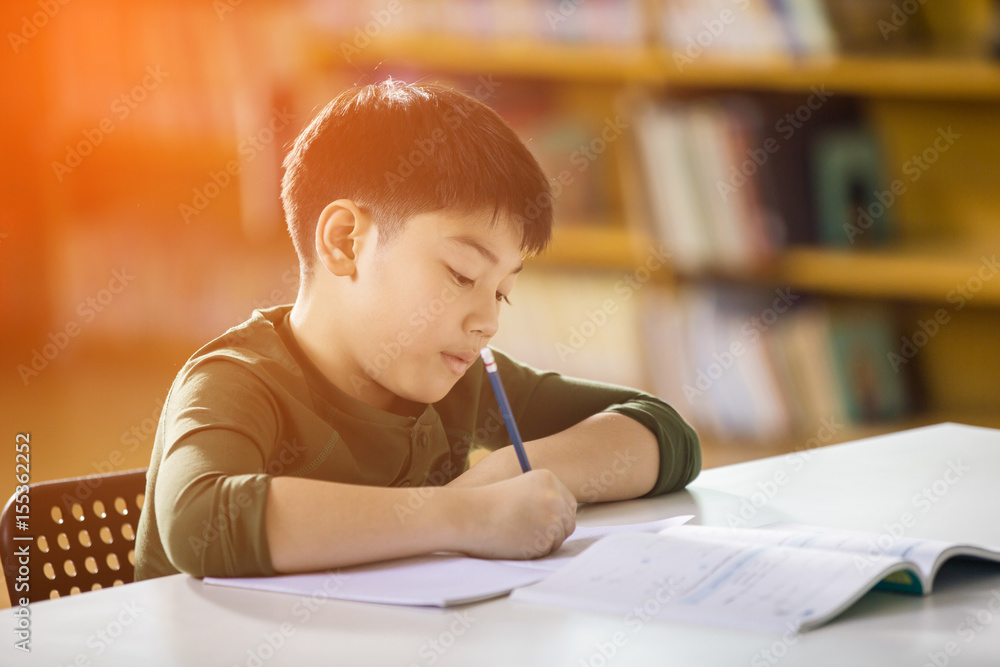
(569,525)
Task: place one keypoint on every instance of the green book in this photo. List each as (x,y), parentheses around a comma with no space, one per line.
(854,202)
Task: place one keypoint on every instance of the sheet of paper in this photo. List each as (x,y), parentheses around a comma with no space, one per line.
(437,579)
(743,585)
(584,536)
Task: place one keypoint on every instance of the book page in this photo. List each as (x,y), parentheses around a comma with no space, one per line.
(867,548)
(694,579)
(927,554)
(584,536)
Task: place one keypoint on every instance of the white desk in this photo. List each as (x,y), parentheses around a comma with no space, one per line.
(864,485)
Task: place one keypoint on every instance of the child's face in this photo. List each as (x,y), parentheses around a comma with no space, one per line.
(429,302)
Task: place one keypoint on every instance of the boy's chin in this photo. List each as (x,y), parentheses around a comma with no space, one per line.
(432,394)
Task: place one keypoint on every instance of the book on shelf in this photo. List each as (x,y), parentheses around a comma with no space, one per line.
(731,181)
(870,388)
(801,353)
(767,30)
(593,22)
(852,196)
(778,578)
(707,212)
(878,27)
(662,151)
(688,30)
(759,28)
(757,365)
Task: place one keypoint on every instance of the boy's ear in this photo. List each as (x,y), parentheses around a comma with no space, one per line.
(340,231)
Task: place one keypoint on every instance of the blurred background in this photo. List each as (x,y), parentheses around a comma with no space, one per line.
(781,217)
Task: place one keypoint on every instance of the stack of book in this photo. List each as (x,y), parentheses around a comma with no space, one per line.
(729,182)
(593,22)
(756,27)
(686,28)
(706,209)
(794,28)
(771,365)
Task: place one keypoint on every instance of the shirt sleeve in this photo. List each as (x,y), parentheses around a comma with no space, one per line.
(546,402)
(211,486)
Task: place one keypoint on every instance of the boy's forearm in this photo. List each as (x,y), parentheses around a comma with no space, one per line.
(607,456)
(314,525)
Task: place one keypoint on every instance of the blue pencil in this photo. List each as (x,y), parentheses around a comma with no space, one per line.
(508,418)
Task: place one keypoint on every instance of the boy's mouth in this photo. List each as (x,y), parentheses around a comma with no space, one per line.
(458,364)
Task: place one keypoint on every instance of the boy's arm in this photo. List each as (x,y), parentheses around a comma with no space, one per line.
(315,525)
(605,457)
(262,524)
(605,442)
(222,507)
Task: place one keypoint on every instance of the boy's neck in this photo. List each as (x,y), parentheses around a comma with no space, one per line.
(318,340)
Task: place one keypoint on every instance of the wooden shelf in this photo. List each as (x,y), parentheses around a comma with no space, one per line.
(522,58)
(594,246)
(918,77)
(897,275)
(956,79)
(905,275)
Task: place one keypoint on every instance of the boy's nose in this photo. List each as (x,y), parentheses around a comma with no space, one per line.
(484,320)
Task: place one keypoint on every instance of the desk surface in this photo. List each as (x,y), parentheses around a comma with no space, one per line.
(946,476)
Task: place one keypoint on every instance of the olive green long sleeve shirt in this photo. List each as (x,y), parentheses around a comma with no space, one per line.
(250,406)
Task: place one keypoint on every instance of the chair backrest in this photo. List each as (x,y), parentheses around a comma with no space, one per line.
(80,535)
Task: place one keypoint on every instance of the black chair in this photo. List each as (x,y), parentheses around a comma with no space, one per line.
(82,535)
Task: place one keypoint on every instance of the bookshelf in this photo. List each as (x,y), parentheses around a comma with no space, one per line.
(945,225)
(276,53)
(914,78)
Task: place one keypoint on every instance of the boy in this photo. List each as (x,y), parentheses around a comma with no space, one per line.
(287,444)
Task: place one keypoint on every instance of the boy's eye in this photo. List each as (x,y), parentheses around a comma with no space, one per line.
(467,282)
(462,280)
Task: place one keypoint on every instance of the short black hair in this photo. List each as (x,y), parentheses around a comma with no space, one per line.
(398,150)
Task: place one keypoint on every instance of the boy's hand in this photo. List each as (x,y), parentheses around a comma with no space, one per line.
(527,516)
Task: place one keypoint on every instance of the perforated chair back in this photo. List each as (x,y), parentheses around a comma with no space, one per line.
(81,535)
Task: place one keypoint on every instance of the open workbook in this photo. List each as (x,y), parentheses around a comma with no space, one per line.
(777,578)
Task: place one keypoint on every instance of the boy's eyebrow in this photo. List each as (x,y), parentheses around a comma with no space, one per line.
(470,242)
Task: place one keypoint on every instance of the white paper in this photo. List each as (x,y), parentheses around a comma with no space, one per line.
(436,579)
(584,536)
